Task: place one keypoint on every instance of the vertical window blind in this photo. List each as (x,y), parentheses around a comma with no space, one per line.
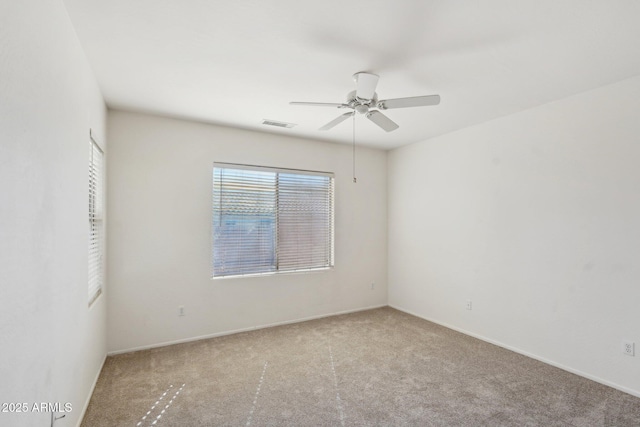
(268,220)
(96,207)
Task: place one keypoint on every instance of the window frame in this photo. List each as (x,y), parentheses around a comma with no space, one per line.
(330,220)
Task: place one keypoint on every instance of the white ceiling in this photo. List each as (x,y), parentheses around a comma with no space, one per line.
(237,62)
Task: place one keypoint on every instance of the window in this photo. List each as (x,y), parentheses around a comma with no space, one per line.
(96,189)
(269,220)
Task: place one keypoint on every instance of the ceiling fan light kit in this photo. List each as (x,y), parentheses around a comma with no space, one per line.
(364,100)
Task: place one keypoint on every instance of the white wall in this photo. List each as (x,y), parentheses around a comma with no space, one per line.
(160,183)
(535,217)
(52,344)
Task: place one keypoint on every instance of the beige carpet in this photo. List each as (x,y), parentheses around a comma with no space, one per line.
(374,368)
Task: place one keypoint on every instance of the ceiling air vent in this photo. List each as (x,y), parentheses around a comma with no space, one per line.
(278,124)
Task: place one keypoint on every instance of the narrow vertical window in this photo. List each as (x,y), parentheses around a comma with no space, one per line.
(268,220)
(96,220)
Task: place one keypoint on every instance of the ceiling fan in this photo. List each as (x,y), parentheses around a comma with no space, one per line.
(364,100)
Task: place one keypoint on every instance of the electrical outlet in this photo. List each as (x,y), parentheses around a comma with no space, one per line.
(629,348)
(468,305)
(181,310)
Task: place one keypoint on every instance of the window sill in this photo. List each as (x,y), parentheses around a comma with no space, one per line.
(274,273)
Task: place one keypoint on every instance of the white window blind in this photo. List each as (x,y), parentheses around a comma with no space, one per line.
(269,220)
(96,222)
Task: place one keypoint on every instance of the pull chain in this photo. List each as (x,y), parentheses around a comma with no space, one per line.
(354,148)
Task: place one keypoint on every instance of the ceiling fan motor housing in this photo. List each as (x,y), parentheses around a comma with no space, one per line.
(361,105)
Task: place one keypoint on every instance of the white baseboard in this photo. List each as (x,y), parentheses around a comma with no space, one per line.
(524,353)
(93,387)
(237,331)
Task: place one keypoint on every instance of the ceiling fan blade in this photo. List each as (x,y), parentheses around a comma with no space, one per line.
(365,85)
(381,120)
(414,101)
(320,104)
(337,120)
